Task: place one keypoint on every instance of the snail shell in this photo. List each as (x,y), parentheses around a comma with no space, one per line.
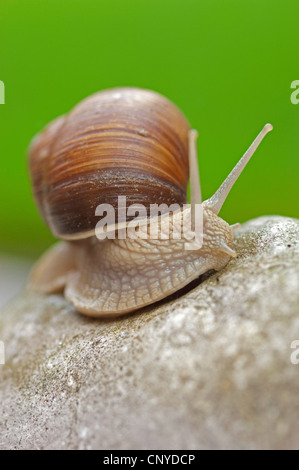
(123,141)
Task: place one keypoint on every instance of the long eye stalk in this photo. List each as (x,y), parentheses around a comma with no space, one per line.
(216,201)
(195,189)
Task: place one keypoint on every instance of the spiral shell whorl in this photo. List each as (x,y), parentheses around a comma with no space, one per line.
(123,141)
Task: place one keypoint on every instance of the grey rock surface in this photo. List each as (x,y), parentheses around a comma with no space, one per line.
(13,274)
(210,368)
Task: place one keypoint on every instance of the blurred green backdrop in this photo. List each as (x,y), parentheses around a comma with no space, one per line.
(228,64)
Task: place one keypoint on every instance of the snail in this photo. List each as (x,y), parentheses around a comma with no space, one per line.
(137,143)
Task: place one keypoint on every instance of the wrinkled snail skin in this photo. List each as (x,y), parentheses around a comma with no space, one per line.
(114,277)
(123,141)
(139,272)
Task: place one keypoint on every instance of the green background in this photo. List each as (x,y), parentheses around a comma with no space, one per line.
(228,64)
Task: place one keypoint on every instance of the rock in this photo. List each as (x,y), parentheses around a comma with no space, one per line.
(210,368)
(13,274)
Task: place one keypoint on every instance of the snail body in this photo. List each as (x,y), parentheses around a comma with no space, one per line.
(130,142)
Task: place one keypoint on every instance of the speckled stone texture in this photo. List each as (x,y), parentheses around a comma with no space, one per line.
(207,369)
